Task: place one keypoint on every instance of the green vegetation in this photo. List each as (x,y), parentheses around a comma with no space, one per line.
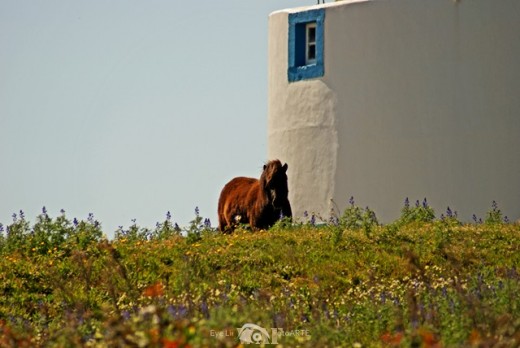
(420,281)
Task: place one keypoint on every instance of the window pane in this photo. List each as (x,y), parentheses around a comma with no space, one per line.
(311,53)
(311,34)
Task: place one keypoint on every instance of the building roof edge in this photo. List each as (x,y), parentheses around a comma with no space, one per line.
(320,6)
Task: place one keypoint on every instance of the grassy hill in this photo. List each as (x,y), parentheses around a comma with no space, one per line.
(420,281)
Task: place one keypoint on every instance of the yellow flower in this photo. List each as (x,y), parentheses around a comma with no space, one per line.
(192,330)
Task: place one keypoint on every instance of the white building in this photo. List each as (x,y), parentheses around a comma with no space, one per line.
(388,99)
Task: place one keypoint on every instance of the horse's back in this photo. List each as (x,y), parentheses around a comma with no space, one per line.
(233,199)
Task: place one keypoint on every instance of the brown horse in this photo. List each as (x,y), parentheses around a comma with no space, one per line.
(257,202)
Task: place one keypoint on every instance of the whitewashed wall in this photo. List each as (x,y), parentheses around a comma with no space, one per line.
(419,99)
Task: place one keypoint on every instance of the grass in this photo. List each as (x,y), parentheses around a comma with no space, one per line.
(420,281)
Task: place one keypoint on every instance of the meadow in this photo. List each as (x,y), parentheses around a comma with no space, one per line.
(421,281)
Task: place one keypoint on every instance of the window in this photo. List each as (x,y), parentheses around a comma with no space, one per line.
(306,45)
(310,43)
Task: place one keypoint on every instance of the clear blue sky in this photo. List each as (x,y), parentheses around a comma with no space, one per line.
(129,109)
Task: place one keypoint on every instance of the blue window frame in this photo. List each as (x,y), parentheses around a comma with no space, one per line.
(306,45)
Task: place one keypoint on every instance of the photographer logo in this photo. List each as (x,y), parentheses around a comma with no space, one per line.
(251,333)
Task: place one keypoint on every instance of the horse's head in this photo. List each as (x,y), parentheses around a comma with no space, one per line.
(274,182)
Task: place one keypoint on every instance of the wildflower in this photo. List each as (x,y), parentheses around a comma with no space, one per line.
(351,200)
(197,211)
(392,339)
(62,211)
(154,290)
(207,223)
(406,203)
(168,216)
(44,210)
(177,312)
(204,309)
(428,338)
(425,203)
(192,330)
(125,315)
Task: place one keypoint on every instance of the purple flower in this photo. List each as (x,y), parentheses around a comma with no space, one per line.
(168,216)
(407,203)
(44,210)
(351,200)
(197,211)
(125,315)
(449,213)
(207,223)
(204,309)
(425,203)
(313,220)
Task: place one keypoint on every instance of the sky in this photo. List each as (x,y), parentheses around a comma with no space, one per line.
(130,109)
